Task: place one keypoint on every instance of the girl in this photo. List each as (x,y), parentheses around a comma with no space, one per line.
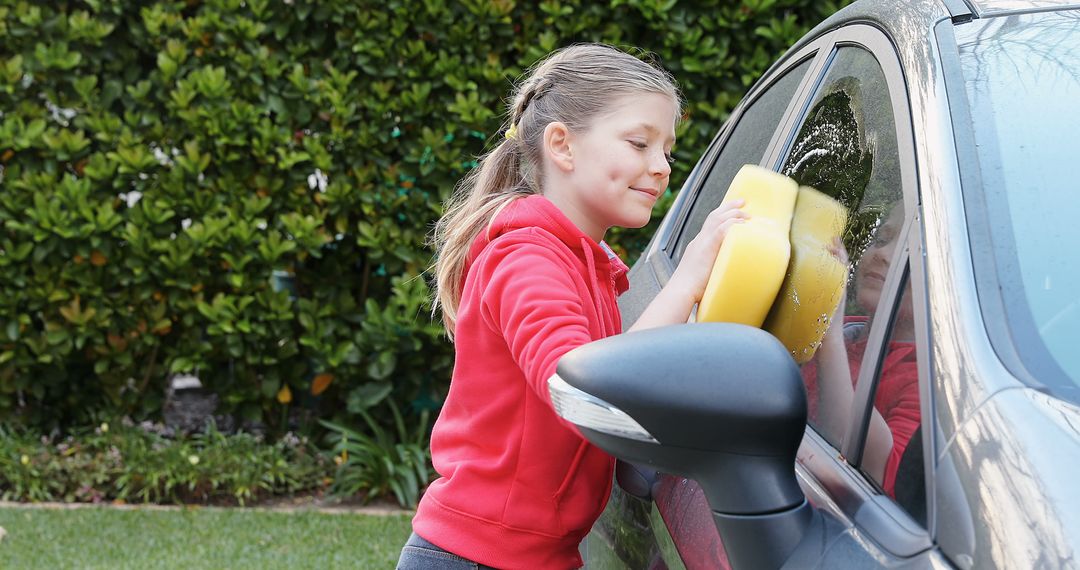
(830,378)
(523,276)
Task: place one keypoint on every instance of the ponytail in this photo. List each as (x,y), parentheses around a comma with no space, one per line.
(496,182)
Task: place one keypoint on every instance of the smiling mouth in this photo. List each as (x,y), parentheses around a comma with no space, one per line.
(875,276)
(650,191)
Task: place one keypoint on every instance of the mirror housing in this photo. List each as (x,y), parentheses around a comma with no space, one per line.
(721,403)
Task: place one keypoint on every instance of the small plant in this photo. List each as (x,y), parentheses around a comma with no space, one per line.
(382,462)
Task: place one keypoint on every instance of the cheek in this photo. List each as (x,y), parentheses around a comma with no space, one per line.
(617,168)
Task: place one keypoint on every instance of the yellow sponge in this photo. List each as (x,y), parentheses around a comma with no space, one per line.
(753,259)
(815,277)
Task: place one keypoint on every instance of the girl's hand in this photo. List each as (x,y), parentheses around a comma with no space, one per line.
(838,250)
(836,326)
(697,261)
(686,286)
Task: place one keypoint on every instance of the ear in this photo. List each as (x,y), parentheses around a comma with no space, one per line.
(558,147)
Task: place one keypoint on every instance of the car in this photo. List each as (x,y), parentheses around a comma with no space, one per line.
(948,130)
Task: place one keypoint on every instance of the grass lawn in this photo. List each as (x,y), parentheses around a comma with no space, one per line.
(198,538)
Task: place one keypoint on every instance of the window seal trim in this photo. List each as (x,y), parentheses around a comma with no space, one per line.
(920,308)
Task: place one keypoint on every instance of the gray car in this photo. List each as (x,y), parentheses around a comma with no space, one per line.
(950,131)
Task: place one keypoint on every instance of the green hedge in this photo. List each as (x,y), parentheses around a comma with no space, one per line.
(242,188)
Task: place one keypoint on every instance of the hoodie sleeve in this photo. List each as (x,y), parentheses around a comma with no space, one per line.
(533,300)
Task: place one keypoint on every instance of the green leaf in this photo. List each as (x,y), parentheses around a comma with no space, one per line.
(368,396)
(383,365)
(182,364)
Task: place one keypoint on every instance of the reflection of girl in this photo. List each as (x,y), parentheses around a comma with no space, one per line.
(896,404)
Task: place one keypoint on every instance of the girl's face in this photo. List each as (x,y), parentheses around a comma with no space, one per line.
(874,265)
(619,166)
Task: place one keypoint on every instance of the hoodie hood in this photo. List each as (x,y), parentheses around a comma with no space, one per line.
(536,211)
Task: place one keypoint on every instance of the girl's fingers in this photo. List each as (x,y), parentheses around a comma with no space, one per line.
(722,230)
(728,207)
(721,215)
(715,235)
(717,224)
(836,248)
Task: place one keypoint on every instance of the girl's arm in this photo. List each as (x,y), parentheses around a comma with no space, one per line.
(836,392)
(673,304)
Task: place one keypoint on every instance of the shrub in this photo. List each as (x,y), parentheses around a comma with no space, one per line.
(137,464)
(241,188)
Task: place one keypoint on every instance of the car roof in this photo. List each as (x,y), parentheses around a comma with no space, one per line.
(907,24)
(985,8)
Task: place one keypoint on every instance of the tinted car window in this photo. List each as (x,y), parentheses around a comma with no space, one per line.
(1022,81)
(846,147)
(746,145)
(896,401)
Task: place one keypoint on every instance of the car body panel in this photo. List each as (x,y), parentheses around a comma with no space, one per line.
(1012,457)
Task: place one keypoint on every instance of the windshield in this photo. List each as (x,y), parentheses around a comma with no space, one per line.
(1022,78)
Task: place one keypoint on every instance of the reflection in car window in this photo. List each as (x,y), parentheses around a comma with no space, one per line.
(746,145)
(624,536)
(1022,80)
(896,399)
(686,512)
(846,147)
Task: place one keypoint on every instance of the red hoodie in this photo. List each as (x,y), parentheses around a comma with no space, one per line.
(519,487)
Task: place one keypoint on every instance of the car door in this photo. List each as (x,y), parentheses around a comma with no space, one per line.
(834,116)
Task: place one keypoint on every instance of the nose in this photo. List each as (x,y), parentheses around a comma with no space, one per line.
(659,167)
(880,254)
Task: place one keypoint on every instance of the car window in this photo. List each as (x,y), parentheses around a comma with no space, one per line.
(624,536)
(1011,68)
(846,148)
(746,145)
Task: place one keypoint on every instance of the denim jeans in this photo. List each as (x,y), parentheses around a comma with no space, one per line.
(419,554)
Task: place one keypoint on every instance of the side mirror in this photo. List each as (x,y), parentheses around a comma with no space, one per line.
(720,403)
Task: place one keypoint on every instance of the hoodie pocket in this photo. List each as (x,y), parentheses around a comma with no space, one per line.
(582,495)
(542,474)
(570,471)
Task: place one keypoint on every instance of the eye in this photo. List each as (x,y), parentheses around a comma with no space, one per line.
(882,238)
(670,159)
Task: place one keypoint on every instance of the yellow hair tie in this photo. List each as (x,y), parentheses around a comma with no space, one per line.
(511,133)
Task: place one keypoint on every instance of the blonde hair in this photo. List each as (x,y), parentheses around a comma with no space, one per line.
(572,85)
